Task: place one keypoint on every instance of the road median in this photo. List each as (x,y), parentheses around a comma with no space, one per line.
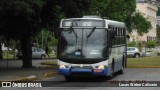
(143,62)
(27,78)
(50,74)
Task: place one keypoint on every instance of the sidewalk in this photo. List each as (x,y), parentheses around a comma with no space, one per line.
(11,70)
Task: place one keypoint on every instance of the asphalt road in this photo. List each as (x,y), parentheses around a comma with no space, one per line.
(133,74)
(18,63)
(130,74)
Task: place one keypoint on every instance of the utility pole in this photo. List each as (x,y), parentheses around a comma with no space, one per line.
(42,39)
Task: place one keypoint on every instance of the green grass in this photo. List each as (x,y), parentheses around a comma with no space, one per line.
(144,62)
(52,55)
(8,55)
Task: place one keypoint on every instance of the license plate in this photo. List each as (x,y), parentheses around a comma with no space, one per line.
(97,70)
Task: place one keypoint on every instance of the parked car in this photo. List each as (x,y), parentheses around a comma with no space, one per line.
(133,52)
(36,53)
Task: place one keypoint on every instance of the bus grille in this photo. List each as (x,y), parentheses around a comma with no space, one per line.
(84,67)
(81,73)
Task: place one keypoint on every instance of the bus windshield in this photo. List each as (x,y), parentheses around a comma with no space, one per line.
(83,43)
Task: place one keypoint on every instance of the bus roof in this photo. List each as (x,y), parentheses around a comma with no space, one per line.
(107,21)
(115,23)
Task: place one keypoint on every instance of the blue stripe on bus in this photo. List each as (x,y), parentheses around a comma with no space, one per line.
(67,71)
(81,70)
(64,71)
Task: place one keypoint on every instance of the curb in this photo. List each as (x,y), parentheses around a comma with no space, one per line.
(42,63)
(28,78)
(32,77)
(143,66)
(47,67)
(50,74)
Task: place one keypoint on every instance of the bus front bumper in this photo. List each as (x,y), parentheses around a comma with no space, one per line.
(83,72)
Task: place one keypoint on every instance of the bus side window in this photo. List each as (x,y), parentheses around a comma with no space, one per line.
(116,34)
(111,36)
(120,35)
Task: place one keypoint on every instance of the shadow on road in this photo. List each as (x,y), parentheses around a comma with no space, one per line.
(92,79)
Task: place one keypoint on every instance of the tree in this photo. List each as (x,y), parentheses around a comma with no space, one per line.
(20,20)
(75,8)
(132,44)
(1,48)
(98,7)
(53,11)
(120,10)
(47,37)
(141,24)
(151,44)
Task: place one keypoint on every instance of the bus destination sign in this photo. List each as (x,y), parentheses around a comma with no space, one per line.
(83,23)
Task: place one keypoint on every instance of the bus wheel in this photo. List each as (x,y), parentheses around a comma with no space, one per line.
(68,78)
(122,68)
(112,71)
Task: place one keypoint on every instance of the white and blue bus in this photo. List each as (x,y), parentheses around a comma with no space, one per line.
(91,46)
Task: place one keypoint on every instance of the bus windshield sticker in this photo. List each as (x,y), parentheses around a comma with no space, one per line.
(95,52)
(78,53)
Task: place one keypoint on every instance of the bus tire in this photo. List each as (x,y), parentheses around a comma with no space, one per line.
(68,78)
(122,68)
(112,70)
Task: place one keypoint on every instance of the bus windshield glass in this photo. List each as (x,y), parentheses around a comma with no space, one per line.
(83,43)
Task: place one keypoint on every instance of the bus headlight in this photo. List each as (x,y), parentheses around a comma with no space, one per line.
(101,67)
(63,66)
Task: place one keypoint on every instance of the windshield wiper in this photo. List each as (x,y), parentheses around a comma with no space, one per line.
(72,30)
(93,29)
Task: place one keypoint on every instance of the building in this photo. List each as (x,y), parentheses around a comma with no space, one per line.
(158,32)
(158,20)
(148,10)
